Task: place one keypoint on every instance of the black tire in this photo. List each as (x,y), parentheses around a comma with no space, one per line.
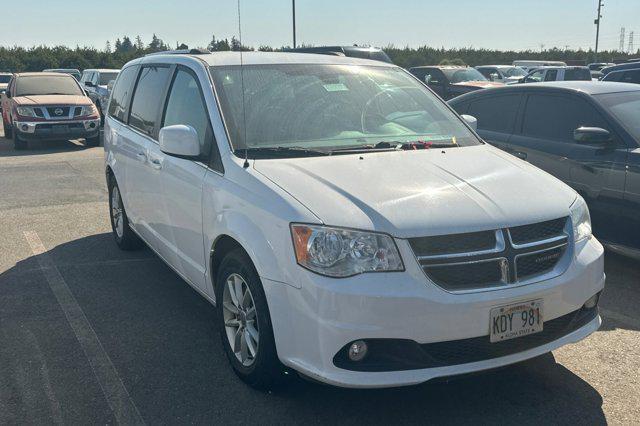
(95,141)
(126,239)
(18,143)
(266,371)
(8,130)
(101,114)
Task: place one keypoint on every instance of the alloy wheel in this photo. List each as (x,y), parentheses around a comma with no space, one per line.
(240,319)
(116,212)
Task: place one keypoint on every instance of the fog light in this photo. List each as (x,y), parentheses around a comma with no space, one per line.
(92,125)
(25,127)
(593,302)
(357,350)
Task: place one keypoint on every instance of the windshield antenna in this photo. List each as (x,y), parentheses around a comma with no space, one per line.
(244,114)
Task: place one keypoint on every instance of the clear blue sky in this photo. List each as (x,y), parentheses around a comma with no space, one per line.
(500,24)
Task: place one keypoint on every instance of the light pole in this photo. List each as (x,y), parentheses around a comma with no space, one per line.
(293,7)
(597,22)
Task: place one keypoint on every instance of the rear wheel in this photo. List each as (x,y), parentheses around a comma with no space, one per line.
(245,323)
(123,234)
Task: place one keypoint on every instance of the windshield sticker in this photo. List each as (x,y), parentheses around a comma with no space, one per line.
(335,87)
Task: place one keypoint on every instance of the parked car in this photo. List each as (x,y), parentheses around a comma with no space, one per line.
(624,76)
(4,82)
(46,106)
(374,53)
(529,65)
(72,71)
(507,74)
(347,223)
(585,133)
(451,81)
(620,67)
(596,69)
(95,82)
(557,74)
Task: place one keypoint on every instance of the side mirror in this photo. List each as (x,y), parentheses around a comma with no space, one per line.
(180,141)
(471,121)
(110,85)
(89,84)
(592,135)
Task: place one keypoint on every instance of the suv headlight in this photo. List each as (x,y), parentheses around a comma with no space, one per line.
(25,111)
(89,110)
(339,252)
(580,219)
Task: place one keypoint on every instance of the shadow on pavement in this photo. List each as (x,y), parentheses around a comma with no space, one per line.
(161,338)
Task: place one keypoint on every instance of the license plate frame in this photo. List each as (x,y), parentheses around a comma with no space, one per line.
(515,320)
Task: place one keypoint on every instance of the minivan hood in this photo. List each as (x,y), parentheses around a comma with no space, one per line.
(52,100)
(424,192)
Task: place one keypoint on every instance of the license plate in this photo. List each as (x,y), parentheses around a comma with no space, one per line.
(517,320)
(60,129)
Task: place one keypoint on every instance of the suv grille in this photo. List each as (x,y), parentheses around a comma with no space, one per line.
(497,258)
(58,112)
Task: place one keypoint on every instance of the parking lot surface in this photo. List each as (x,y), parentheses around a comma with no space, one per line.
(90,334)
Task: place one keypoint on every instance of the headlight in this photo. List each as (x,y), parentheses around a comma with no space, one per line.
(580,219)
(25,111)
(89,110)
(339,252)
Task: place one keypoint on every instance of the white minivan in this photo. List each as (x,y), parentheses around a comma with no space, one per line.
(345,222)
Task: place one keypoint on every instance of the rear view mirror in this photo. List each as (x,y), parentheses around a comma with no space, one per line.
(88,84)
(471,121)
(591,135)
(180,141)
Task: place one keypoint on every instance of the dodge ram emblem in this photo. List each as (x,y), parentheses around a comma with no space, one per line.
(58,111)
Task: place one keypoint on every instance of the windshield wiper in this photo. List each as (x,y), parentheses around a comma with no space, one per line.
(279,152)
(393,146)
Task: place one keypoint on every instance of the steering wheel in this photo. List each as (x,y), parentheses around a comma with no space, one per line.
(365,110)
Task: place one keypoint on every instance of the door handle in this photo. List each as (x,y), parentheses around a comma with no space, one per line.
(142,156)
(156,163)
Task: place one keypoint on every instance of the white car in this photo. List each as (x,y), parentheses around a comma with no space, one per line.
(346,223)
(507,74)
(529,65)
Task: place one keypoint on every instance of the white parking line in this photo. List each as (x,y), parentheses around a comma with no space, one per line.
(116,394)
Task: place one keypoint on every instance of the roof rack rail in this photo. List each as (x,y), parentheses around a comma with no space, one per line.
(181,52)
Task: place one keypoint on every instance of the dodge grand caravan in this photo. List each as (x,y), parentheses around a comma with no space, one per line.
(346,223)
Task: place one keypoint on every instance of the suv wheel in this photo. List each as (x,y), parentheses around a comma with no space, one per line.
(19,144)
(245,323)
(123,234)
(95,141)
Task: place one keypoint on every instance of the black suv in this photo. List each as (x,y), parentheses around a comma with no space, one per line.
(584,133)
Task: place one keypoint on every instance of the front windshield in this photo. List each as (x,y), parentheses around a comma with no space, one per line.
(513,72)
(4,79)
(464,74)
(328,107)
(625,106)
(47,85)
(106,77)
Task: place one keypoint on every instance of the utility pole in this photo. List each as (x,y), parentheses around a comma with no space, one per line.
(597,22)
(631,48)
(293,7)
(621,48)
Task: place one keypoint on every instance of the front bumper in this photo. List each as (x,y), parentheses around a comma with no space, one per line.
(314,319)
(50,130)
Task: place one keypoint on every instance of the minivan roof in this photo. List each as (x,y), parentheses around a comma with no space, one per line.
(102,70)
(263,58)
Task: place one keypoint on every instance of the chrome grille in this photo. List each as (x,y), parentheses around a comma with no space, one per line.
(495,258)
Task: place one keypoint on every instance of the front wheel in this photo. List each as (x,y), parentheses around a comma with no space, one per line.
(18,143)
(123,234)
(95,141)
(245,323)
(8,130)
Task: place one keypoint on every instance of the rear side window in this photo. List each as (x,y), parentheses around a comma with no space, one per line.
(495,113)
(613,76)
(581,74)
(556,117)
(147,98)
(121,93)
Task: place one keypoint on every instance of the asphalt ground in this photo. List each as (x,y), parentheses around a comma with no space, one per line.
(91,334)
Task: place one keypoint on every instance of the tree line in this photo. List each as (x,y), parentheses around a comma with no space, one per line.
(122,50)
